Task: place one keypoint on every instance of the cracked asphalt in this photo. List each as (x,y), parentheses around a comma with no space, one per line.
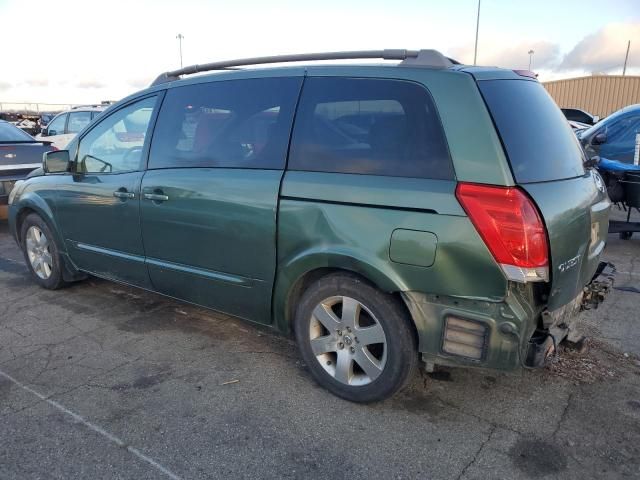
(104,381)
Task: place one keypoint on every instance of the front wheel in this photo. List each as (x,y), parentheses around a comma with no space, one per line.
(357,341)
(41,253)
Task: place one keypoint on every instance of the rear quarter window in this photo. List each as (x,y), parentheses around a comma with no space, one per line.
(537,138)
(369,127)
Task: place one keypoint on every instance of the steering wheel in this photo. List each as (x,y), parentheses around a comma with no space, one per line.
(133,150)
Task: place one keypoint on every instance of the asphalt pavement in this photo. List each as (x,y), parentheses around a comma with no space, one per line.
(100,380)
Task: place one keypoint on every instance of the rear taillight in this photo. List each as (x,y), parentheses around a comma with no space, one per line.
(509,223)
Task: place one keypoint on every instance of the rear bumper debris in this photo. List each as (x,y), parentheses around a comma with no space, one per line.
(599,287)
(559,324)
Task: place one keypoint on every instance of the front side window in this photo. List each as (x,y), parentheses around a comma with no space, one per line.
(230,124)
(624,130)
(56,127)
(370,127)
(77,121)
(116,143)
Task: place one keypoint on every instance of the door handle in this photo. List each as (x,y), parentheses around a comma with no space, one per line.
(123,194)
(156,197)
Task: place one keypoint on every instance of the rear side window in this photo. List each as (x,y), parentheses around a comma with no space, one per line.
(232,124)
(538,140)
(369,126)
(77,121)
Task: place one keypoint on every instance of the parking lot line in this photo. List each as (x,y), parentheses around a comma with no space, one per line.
(95,428)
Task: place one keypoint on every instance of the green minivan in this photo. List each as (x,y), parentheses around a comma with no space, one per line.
(382,214)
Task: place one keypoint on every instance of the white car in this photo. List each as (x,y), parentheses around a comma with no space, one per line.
(66,125)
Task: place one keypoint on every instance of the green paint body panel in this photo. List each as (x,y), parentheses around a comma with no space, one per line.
(213,242)
(413,247)
(241,241)
(577,219)
(315,233)
(102,232)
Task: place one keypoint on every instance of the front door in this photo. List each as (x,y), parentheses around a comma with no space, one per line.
(98,205)
(210,195)
(621,139)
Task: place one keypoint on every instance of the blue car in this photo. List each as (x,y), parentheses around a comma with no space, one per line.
(614,137)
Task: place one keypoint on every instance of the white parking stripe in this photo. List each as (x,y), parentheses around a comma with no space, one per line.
(93,427)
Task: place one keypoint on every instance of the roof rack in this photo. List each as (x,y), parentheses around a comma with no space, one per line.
(423,58)
(104,103)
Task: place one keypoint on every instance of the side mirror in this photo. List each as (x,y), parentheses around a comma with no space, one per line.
(56,162)
(48,133)
(599,139)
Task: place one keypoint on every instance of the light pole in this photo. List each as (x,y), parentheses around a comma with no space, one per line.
(475,50)
(626,58)
(180,37)
(530,52)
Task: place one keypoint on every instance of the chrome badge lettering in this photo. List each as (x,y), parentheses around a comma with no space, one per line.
(572,262)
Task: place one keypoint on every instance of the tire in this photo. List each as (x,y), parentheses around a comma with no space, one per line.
(625,235)
(342,348)
(38,242)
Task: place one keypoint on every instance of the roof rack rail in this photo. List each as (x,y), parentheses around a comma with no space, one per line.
(104,103)
(424,58)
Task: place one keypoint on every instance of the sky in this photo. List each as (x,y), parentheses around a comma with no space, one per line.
(68,51)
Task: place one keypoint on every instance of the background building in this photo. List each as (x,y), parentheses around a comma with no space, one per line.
(597,94)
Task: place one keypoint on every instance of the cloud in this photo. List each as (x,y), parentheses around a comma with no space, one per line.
(90,84)
(141,82)
(546,54)
(5,86)
(604,50)
(37,82)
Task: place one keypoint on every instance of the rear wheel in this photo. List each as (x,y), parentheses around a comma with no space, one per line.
(625,235)
(41,253)
(356,340)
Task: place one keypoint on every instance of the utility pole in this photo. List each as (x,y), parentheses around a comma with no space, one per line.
(180,37)
(530,52)
(626,58)
(475,50)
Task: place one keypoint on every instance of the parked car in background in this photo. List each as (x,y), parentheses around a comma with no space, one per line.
(62,128)
(614,138)
(20,154)
(381,214)
(577,126)
(577,115)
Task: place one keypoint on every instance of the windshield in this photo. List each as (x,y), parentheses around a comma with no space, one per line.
(537,138)
(9,133)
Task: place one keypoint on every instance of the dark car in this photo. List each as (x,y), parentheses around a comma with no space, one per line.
(20,153)
(577,115)
(615,137)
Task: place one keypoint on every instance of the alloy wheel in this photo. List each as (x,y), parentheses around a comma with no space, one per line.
(348,340)
(38,252)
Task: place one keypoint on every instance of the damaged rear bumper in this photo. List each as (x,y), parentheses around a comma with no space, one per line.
(502,334)
(559,324)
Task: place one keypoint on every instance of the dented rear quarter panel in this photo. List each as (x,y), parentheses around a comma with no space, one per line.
(346,222)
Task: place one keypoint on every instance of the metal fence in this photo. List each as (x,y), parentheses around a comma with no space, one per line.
(33,107)
(598,94)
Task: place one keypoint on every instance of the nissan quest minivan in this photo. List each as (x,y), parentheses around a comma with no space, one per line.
(381,214)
